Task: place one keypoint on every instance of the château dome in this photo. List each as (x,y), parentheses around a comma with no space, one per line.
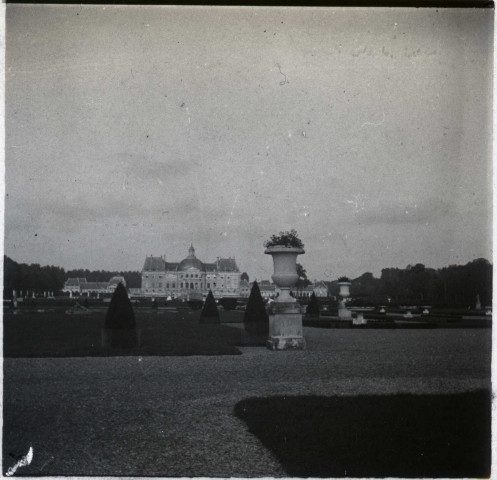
(191,262)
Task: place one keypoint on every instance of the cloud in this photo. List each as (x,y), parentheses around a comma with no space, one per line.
(406,214)
(139,166)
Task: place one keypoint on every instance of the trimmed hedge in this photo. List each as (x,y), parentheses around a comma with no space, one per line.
(210,313)
(228,303)
(256,319)
(313,306)
(120,314)
(120,325)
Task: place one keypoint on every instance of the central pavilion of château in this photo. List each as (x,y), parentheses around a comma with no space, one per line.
(191,275)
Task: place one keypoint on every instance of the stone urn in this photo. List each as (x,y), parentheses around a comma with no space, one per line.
(285,269)
(343,312)
(344,289)
(285,316)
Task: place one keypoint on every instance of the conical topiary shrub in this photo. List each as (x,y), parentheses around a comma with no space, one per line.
(256,320)
(120,325)
(210,313)
(313,307)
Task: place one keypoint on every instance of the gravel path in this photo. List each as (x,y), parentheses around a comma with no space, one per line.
(173,416)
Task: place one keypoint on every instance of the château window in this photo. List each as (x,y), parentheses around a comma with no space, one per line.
(174,285)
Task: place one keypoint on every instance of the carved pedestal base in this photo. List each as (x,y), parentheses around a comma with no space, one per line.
(286,343)
(285,327)
(344,313)
(359,320)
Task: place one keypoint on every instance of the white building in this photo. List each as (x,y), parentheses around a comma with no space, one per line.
(190,276)
(81,286)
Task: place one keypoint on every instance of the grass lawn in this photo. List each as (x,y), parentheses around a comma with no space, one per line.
(57,334)
(365,402)
(375,436)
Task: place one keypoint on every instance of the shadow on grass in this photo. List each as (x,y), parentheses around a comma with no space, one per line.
(161,334)
(375,436)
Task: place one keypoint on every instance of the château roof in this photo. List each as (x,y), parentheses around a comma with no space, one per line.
(94,286)
(227,265)
(116,280)
(159,264)
(190,262)
(75,281)
(154,264)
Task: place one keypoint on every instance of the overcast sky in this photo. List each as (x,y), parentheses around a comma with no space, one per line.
(136,130)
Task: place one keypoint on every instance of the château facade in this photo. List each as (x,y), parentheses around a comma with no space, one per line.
(190,277)
(81,286)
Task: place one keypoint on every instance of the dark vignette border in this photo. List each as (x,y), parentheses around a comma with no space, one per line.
(283,3)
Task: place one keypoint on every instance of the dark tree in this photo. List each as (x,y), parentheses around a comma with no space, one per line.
(244,276)
(210,313)
(313,307)
(303,281)
(21,276)
(228,303)
(256,319)
(120,315)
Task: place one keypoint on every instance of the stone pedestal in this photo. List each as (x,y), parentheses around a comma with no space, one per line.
(359,320)
(285,327)
(343,312)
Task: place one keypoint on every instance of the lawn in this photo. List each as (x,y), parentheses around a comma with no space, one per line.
(355,402)
(375,436)
(57,334)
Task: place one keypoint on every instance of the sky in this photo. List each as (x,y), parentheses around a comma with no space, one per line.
(135,131)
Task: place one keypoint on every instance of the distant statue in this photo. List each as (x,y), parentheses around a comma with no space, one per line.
(478,303)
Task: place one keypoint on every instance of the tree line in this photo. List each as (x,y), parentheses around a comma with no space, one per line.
(416,284)
(35,278)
